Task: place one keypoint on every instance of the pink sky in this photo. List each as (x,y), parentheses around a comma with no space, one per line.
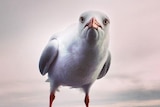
(133,79)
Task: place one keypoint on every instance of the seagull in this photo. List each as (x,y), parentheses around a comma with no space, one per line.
(79,55)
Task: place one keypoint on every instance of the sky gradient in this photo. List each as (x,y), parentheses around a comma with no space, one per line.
(133,79)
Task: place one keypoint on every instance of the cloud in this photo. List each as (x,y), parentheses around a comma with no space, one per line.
(138,95)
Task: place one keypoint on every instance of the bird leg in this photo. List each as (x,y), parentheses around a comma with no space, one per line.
(52,97)
(87,100)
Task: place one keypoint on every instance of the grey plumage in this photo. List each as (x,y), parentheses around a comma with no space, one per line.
(105,67)
(79,55)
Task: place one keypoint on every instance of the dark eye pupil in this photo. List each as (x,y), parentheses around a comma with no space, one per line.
(105,21)
(81,19)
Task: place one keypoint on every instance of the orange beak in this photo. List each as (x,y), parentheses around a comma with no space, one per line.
(93,23)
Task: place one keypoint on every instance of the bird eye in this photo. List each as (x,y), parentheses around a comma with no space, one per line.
(81,19)
(105,21)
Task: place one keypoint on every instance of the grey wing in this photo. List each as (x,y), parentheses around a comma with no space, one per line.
(49,54)
(105,67)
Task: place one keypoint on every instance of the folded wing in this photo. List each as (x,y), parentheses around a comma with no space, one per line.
(48,56)
(105,67)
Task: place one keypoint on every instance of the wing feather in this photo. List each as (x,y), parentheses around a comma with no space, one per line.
(49,54)
(105,67)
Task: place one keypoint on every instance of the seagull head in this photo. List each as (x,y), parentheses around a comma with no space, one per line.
(94,26)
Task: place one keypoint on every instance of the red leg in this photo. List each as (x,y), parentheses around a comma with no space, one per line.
(52,97)
(87,100)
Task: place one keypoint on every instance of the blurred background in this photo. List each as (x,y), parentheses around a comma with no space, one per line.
(133,79)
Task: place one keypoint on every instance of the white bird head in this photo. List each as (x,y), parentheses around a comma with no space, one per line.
(94,26)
